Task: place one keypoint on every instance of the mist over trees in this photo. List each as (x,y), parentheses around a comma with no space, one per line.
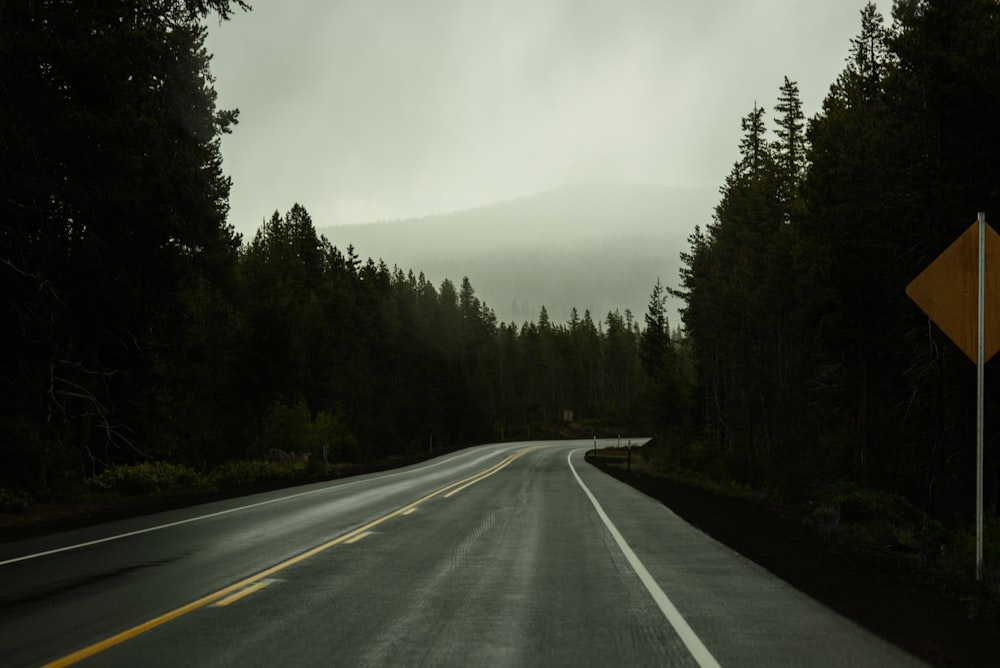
(813,364)
(597,246)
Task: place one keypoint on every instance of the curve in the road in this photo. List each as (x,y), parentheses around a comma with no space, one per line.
(253,583)
(199,518)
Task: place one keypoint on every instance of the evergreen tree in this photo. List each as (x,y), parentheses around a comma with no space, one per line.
(812,364)
(656,348)
(791,146)
(543,319)
(659,359)
(859,154)
(111,196)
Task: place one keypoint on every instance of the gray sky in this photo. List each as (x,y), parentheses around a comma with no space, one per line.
(367,110)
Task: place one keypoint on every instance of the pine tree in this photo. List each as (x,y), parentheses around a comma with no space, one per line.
(852,225)
(111,196)
(543,320)
(736,304)
(656,349)
(666,398)
(754,149)
(791,146)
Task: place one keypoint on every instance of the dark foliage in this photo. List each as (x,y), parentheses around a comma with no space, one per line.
(111,195)
(813,364)
(138,327)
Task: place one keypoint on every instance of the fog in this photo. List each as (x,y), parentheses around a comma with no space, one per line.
(366,110)
(598,246)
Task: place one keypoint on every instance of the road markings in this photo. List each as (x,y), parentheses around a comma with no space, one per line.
(693,643)
(354,540)
(410,511)
(239,587)
(257,586)
(488,472)
(199,518)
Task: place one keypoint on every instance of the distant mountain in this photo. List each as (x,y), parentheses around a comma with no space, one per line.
(598,246)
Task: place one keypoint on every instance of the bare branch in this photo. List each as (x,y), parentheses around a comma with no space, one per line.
(44,285)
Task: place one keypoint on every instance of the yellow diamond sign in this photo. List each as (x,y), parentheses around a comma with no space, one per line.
(947,291)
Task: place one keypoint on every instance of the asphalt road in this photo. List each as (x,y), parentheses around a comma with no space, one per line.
(506,554)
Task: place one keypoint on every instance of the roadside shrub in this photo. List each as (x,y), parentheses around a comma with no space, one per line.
(145,478)
(857,503)
(331,430)
(235,474)
(705,458)
(879,517)
(959,554)
(291,428)
(13,501)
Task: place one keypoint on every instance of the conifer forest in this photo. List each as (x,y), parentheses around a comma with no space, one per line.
(138,326)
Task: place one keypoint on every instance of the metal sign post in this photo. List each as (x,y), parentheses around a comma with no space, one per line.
(980,390)
(957,294)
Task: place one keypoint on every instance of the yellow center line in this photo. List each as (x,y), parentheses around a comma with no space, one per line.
(486,474)
(238,587)
(257,586)
(357,538)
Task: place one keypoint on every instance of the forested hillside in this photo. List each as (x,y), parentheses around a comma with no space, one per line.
(813,365)
(597,246)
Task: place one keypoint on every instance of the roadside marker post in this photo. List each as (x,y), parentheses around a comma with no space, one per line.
(953,287)
(980,391)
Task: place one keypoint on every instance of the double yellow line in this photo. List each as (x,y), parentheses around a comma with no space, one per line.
(253,583)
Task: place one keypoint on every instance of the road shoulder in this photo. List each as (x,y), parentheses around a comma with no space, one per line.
(891,595)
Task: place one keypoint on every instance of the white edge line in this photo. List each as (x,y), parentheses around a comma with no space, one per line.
(199,518)
(693,643)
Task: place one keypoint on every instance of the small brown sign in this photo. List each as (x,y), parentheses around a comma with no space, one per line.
(948,289)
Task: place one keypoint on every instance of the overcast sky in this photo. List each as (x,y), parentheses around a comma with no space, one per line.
(367,110)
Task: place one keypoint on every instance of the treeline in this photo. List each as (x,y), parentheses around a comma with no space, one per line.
(813,364)
(138,327)
(289,344)
(598,246)
(306,345)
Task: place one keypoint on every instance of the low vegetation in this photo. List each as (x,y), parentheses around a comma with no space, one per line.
(849,515)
